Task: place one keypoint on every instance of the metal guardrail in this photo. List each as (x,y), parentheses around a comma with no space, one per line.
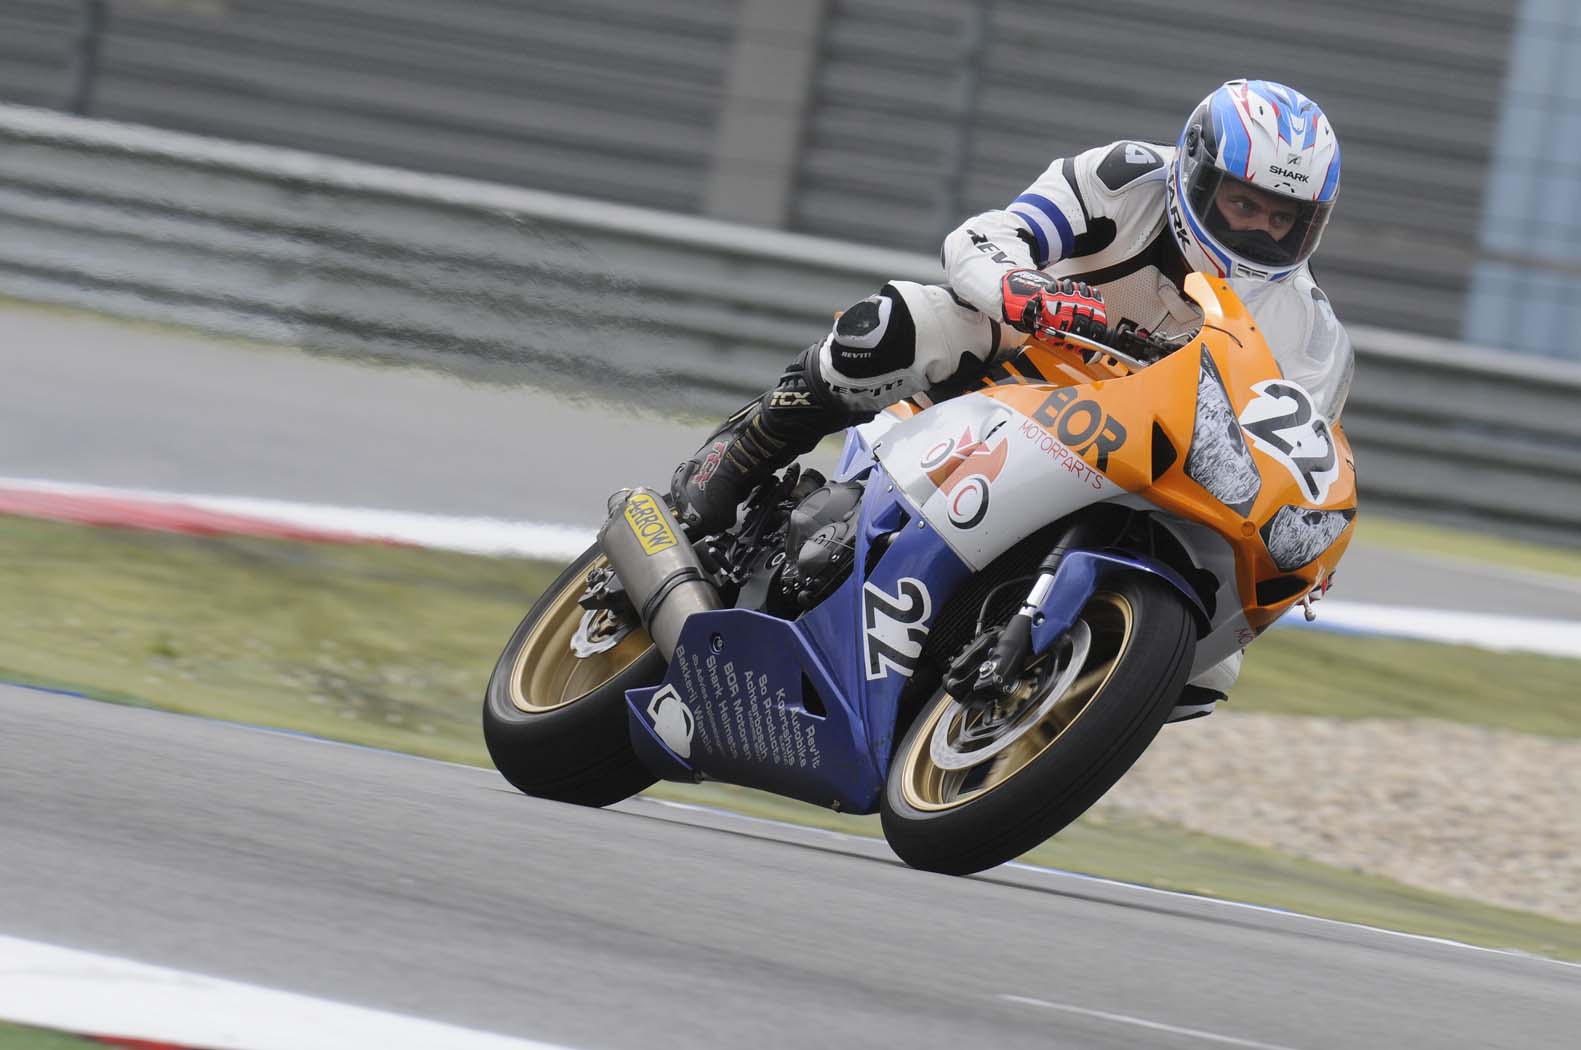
(672,310)
(880,121)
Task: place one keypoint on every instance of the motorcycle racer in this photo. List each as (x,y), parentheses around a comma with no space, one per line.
(1104,238)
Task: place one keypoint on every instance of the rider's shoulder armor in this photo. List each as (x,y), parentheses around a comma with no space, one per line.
(1128,162)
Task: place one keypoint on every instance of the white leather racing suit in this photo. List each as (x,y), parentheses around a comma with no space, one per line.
(1099,217)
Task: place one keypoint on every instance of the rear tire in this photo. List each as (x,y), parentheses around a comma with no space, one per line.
(556,724)
(958,821)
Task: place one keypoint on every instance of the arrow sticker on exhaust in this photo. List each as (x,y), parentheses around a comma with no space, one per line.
(649,526)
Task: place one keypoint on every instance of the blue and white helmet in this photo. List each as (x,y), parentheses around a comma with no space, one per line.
(1254,181)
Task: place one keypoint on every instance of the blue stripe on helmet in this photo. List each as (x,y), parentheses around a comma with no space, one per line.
(1235,145)
(1290,102)
(1067,238)
(1030,222)
(1331,181)
(1278,96)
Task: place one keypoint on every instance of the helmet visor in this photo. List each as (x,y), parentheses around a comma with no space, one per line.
(1253,222)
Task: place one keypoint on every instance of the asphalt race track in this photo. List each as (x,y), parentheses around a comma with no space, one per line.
(431,889)
(111,403)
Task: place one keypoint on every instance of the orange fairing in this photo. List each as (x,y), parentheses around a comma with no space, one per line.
(1129,425)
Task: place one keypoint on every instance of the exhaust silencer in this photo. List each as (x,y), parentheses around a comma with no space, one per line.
(660,571)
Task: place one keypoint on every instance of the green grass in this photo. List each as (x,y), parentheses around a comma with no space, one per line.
(19,1037)
(1345,676)
(1467,544)
(384,646)
(391,647)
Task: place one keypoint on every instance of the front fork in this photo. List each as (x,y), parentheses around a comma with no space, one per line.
(998,673)
(1066,581)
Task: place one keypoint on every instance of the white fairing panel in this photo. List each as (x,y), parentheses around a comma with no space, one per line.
(984,475)
(1229,632)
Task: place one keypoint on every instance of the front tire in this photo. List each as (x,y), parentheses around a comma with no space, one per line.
(945,810)
(555,723)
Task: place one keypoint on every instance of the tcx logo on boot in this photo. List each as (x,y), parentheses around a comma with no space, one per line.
(790,399)
(649,526)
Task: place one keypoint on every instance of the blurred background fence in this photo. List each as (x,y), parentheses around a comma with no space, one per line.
(877,121)
(688,189)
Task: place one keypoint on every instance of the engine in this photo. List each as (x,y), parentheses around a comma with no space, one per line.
(820,542)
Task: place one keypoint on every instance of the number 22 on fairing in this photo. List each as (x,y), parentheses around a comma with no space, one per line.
(1282,422)
(896,627)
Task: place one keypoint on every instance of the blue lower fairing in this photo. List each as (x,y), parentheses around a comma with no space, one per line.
(808,708)
(762,710)
(873,629)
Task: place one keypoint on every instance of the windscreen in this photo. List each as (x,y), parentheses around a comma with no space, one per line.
(1307,340)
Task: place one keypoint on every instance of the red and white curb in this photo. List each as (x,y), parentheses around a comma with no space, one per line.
(243,516)
(234,515)
(127,1003)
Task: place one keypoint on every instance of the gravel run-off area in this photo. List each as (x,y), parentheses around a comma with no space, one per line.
(1486,814)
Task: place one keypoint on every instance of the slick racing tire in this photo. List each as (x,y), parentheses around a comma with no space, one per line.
(555,723)
(967,791)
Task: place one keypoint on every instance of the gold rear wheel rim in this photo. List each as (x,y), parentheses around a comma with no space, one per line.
(929,788)
(547,674)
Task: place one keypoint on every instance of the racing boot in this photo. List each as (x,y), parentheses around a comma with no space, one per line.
(760,438)
(1204,693)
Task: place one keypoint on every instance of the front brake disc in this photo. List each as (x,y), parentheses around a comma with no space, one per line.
(945,746)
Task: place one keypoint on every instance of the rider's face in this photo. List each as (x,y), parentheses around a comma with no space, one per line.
(1247,209)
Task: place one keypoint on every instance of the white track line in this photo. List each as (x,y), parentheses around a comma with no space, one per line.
(1157,1026)
(93,994)
(1271,910)
(1525,634)
(1038,869)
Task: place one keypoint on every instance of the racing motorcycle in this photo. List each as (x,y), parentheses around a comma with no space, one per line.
(983,618)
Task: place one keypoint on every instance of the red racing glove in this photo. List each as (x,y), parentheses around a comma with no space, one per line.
(1041,305)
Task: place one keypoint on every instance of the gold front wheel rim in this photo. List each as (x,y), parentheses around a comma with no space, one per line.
(547,674)
(928,788)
